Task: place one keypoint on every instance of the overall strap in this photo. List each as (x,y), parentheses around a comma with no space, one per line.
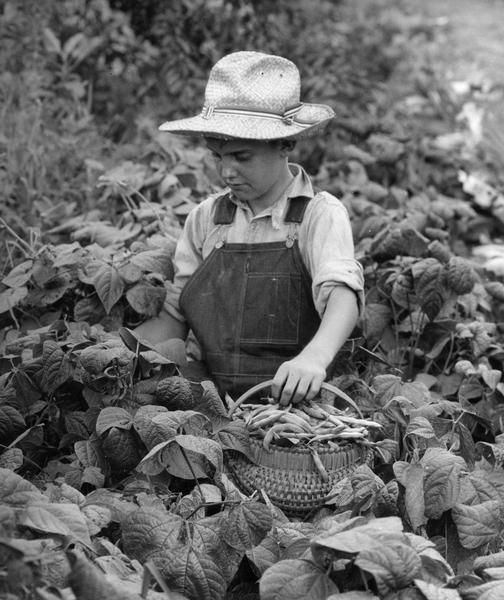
(296,210)
(225,210)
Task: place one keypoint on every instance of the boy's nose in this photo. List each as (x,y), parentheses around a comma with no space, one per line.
(227,170)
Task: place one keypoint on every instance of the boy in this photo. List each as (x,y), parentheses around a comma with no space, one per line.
(265,274)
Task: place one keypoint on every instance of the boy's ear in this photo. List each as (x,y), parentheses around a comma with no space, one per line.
(287,146)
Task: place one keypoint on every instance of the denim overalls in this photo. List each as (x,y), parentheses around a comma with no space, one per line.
(250,306)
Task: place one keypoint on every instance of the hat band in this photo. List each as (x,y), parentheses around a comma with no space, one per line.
(287,117)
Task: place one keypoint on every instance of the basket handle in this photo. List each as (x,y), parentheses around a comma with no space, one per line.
(265,384)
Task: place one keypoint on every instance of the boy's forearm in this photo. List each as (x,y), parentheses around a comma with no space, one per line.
(338,322)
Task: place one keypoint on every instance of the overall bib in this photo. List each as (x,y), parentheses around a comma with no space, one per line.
(250,306)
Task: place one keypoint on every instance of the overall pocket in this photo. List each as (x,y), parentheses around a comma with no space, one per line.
(271,308)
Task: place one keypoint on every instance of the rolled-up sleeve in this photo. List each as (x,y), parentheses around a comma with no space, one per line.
(188,256)
(328,250)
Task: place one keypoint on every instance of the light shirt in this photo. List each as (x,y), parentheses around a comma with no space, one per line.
(324,237)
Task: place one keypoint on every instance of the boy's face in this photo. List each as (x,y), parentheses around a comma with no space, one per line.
(250,168)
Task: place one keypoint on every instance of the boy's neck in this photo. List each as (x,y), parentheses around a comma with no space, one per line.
(273,194)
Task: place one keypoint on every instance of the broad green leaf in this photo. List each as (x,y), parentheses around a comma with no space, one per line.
(154,261)
(420,427)
(402,292)
(433,592)
(209,539)
(376,319)
(209,449)
(58,519)
(146,299)
(72,43)
(153,463)
(156,424)
(467,445)
(295,579)
(369,535)
(56,367)
(266,554)
(89,454)
(429,276)
(435,567)
(31,439)
(493,590)
(113,416)
(191,504)
(496,559)
(191,573)
(94,476)
(128,175)
(393,565)
(189,421)
(211,403)
(281,542)
(184,456)
(76,425)
(89,309)
(146,531)
(386,387)
(51,42)
(11,424)
(109,286)
(19,275)
(411,477)
(353,596)
(50,291)
(366,486)
(68,255)
(233,435)
(416,392)
(496,479)
(246,525)
(442,473)
(27,391)
(116,502)
(130,273)
(494,453)
(16,491)
(386,500)
(477,524)
(151,430)
(11,297)
(97,517)
(341,494)
(491,377)
(470,389)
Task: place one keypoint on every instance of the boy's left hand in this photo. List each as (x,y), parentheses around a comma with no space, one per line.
(296,380)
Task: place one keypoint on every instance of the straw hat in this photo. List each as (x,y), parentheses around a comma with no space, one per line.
(251,95)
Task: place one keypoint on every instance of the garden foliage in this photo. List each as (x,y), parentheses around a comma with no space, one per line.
(112,462)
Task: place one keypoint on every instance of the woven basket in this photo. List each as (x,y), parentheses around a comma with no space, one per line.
(288,475)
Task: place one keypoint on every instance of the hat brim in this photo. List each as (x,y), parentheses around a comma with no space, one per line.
(309,121)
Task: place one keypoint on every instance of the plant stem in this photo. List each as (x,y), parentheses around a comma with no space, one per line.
(192,470)
(208,504)
(15,235)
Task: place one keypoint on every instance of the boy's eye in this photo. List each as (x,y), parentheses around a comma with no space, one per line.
(215,156)
(242,157)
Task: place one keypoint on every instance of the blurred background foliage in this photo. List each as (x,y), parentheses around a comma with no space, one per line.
(83,83)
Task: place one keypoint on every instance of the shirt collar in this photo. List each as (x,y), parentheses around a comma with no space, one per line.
(300,186)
